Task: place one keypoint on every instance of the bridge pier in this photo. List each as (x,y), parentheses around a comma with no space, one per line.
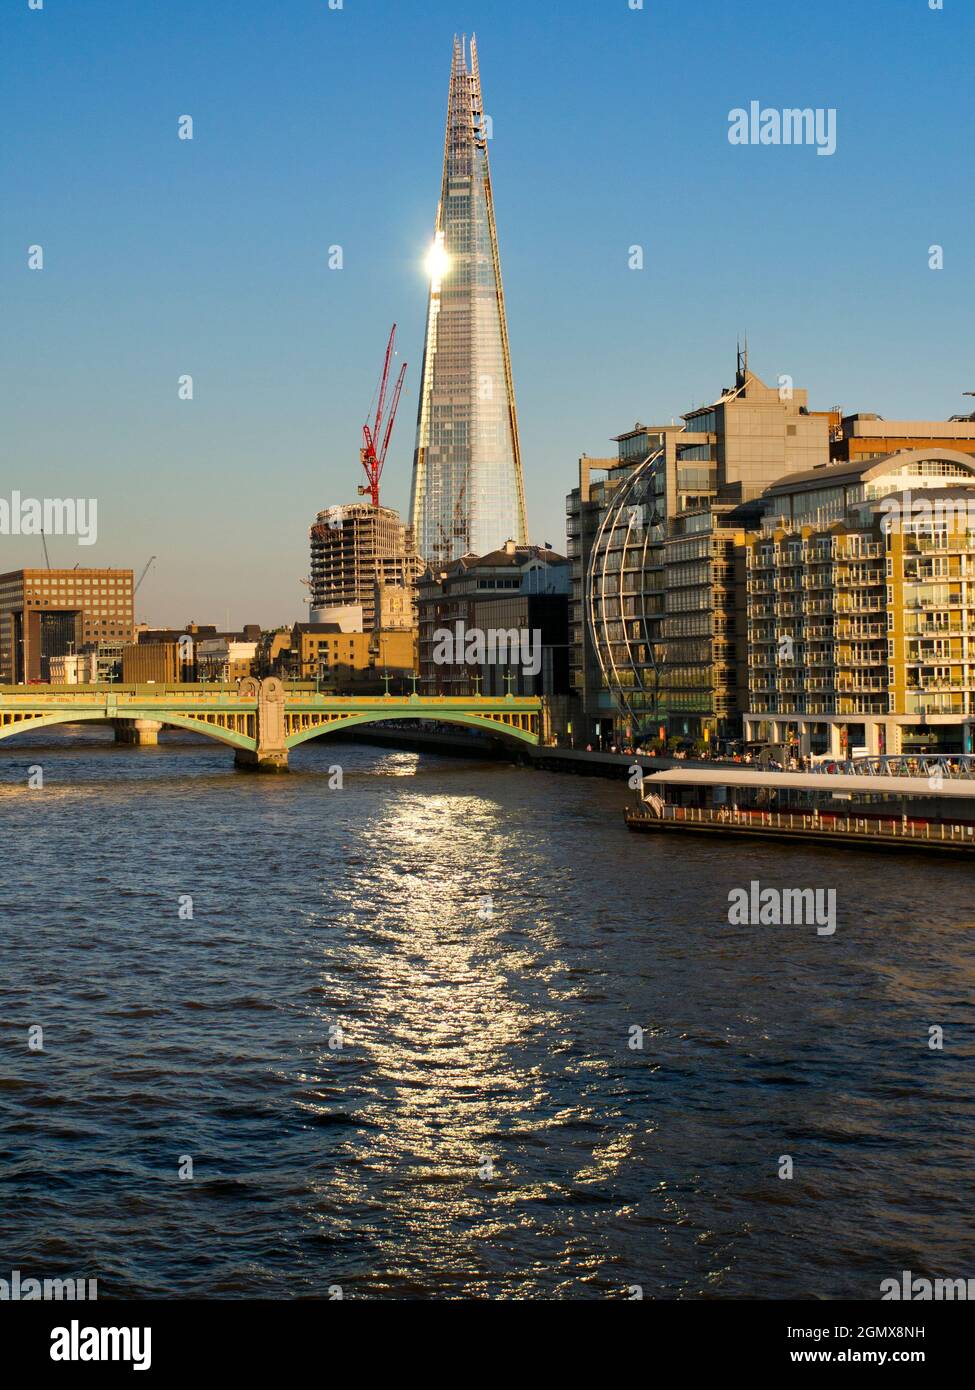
(247,760)
(143,733)
(271,753)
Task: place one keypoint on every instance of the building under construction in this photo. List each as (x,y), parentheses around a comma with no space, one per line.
(354,549)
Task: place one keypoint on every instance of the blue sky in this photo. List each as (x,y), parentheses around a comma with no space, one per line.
(315,127)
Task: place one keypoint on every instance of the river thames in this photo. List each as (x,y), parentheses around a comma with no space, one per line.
(400,1040)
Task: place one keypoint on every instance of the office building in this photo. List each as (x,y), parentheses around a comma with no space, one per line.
(226,659)
(339,661)
(654,542)
(468,492)
(155,663)
(46,613)
(514,590)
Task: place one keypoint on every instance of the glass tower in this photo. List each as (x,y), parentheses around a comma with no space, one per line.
(468,494)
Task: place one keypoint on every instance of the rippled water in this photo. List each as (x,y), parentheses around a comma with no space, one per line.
(485,1127)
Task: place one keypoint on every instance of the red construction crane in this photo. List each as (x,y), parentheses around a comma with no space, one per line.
(373,453)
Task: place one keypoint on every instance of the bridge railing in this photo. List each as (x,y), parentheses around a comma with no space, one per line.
(113,687)
(499,702)
(880,827)
(131,694)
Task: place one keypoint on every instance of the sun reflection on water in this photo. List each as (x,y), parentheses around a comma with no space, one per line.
(448,1045)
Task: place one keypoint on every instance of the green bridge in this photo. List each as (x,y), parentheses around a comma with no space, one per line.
(260,719)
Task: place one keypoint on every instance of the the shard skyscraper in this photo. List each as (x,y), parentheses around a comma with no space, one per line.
(468,492)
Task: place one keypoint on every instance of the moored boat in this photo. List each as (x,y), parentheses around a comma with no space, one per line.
(885,812)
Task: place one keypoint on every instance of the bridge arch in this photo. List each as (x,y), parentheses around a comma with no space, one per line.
(219,734)
(473,721)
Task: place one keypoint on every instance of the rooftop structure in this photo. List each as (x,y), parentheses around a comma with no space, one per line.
(857,438)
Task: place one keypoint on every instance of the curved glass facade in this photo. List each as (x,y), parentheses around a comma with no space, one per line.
(625,594)
(658,603)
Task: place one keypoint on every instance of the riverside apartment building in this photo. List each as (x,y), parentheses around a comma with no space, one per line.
(861,608)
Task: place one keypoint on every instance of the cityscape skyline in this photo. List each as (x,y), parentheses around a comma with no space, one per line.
(490,820)
(209,267)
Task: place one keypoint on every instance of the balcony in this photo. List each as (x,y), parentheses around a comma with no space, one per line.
(926,604)
(936,704)
(870,685)
(921,684)
(929,574)
(926,656)
(952,545)
(849,630)
(846,656)
(957,628)
(860,579)
(869,551)
(861,603)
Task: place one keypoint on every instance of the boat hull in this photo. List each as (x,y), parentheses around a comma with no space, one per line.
(643,823)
